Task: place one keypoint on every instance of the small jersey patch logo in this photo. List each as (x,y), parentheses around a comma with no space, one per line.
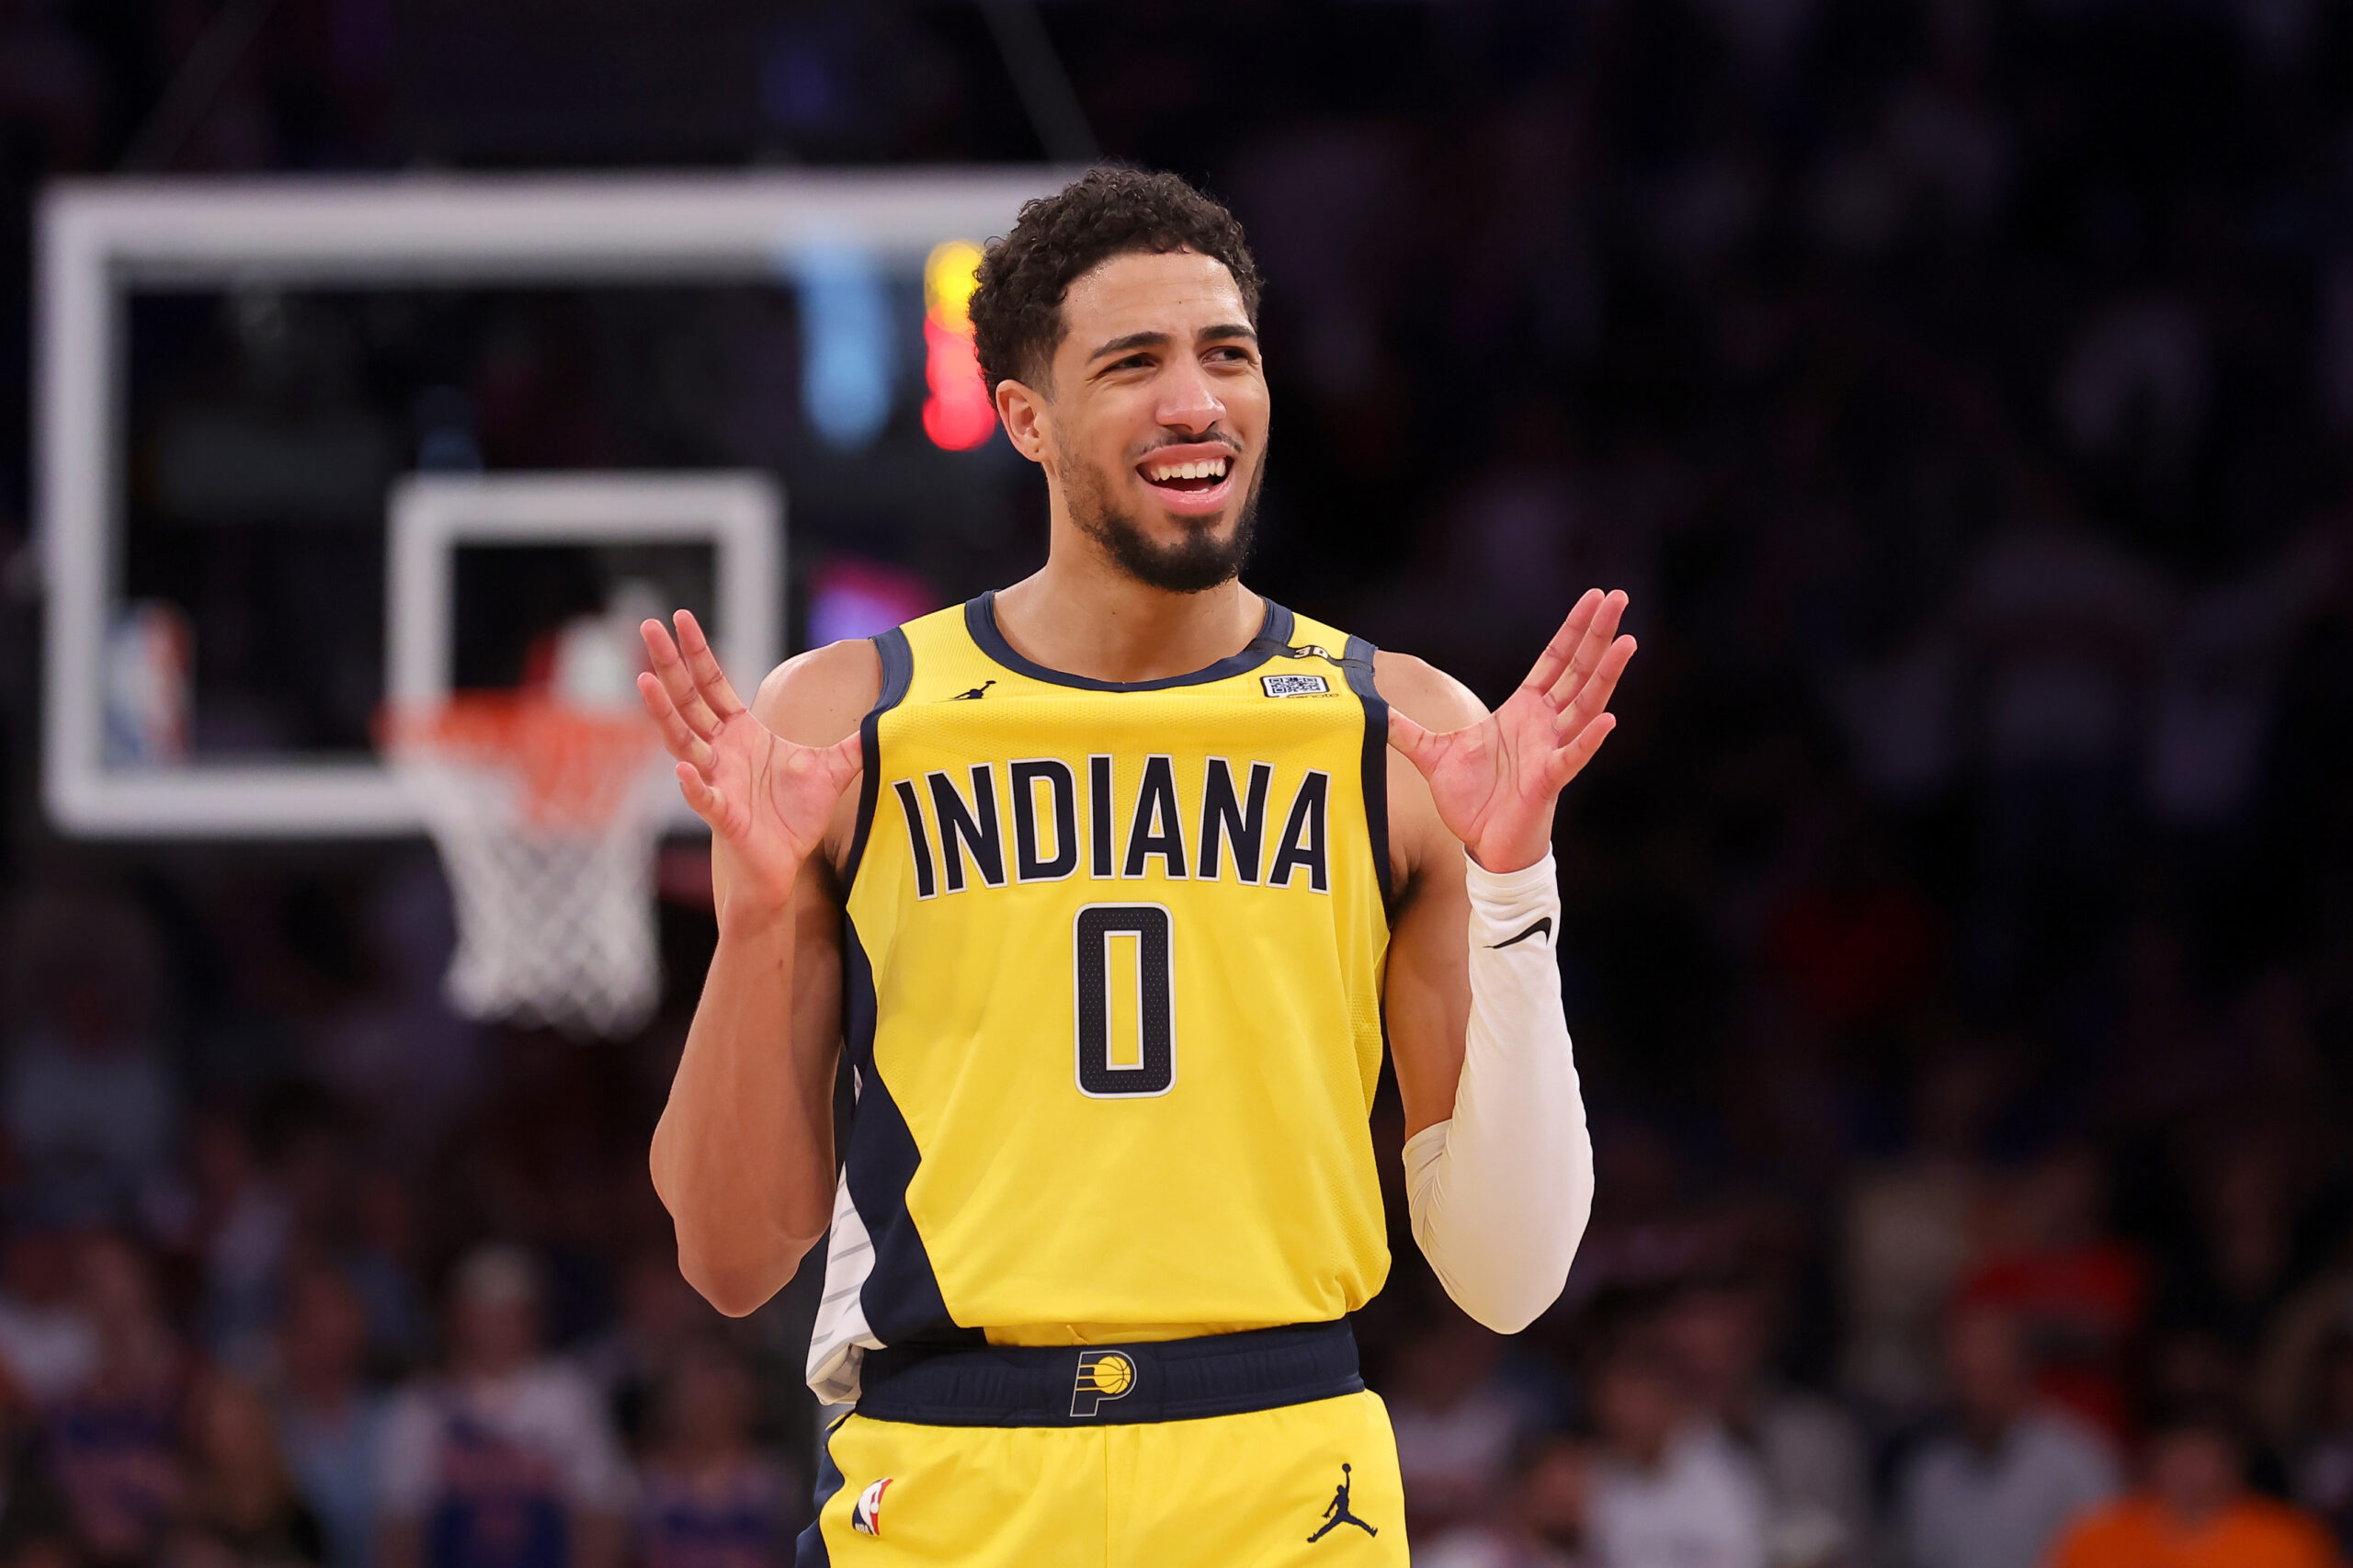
(866,1514)
(1295,685)
(1102,1375)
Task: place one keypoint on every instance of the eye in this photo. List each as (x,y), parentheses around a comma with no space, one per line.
(1133,362)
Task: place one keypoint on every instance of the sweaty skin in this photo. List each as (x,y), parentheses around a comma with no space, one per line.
(1157,365)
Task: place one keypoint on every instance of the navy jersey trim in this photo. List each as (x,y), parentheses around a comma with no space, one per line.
(810,1552)
(1357,666)
(898,673)
(980,620)
(901,1297)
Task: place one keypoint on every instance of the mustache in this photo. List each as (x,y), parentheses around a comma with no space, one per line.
(1216,438)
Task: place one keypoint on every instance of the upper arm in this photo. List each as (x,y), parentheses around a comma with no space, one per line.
(1427,993)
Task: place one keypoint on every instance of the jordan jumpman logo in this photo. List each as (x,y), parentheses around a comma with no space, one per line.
(1336,1512)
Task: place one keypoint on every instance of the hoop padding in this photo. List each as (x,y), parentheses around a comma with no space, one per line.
(546,817)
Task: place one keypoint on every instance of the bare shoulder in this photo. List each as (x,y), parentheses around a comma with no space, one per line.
(815,699)
(1424,693)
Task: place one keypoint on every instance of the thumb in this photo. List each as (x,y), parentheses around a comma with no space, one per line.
(846,758)
(1417,744)
(701,799)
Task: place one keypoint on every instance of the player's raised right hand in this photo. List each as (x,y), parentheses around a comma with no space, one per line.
(766,796)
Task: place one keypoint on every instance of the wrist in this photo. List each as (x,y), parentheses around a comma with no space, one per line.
(1539,875)
(1507,860)
(1504,904)
(753,918)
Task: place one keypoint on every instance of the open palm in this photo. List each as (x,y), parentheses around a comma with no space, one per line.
(1495,782)
(768,798)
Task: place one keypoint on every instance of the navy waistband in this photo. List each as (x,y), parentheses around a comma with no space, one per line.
(1092,1385)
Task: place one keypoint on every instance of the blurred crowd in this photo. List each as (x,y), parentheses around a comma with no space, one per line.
(1959,929)
(242,1329)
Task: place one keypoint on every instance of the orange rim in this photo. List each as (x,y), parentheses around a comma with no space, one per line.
(578,765)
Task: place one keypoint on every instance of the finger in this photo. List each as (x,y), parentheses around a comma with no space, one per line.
(1598,630)
(1555,658)
(704,665)
(1569,761)
(701,799)
(846,758)
(678,681)
(1418,744)
(676,738)
(1595,695)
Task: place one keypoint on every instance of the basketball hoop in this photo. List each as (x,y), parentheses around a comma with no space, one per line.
(546,815)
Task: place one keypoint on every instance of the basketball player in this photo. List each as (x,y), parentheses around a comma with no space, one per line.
(1109,882)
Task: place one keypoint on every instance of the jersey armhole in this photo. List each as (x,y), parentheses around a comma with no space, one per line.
(898,673)
(1357,666)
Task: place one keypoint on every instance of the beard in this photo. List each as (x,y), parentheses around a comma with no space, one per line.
(1195,564)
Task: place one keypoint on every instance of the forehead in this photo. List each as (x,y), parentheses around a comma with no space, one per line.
(1179,293)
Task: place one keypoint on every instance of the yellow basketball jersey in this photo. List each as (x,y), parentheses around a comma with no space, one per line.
(1112,963)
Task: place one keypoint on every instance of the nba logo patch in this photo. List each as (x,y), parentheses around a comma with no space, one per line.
(1294,686)
(1102,1375)
(866,1514)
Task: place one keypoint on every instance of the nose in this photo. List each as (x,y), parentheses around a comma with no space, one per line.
(1188,400)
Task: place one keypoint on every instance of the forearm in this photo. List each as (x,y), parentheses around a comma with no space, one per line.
(743,1157)
(1500,1192)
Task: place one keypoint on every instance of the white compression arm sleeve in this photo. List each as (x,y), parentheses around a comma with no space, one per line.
(1500,1194)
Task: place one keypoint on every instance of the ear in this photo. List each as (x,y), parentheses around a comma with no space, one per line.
(1028,415)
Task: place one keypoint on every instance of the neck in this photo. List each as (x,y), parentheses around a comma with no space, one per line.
(1082,615)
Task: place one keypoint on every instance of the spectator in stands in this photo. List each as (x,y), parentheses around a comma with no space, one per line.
(2322,1467)
(505,1460)
(1805,1448)
(661,1315)
(2014,1471)
(113,1444)
(2193,1509)
(1457,1420)
(242,1226)
(331,1422)
(1543,1526)
(382,1261)
(709,1498)
(88,1098)
(2077,1291)
(1911,1230)
(1670,1491)
(35,1530)
(2241,1262)
(47,1345)
(242,1509)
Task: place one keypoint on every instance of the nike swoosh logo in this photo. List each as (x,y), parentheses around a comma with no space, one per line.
(1543,924)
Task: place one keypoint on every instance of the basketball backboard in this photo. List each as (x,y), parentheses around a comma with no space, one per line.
(241,383)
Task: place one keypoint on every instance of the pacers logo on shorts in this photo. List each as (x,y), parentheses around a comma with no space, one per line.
(1102,1374)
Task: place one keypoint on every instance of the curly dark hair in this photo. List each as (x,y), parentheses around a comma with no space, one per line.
(1017,303)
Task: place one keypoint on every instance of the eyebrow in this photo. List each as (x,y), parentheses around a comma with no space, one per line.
(1135,340)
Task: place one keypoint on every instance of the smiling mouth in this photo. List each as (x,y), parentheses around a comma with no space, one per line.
(1189,478)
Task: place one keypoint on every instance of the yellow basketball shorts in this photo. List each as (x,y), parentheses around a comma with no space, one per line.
(1070,1474)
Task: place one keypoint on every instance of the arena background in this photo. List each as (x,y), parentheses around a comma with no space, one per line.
(1959,936)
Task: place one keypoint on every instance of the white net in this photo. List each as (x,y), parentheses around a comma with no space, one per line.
(547,820)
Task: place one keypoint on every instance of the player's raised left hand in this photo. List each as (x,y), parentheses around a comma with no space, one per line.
(1495,782)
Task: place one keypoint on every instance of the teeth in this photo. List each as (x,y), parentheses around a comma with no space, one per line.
(1210,467)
